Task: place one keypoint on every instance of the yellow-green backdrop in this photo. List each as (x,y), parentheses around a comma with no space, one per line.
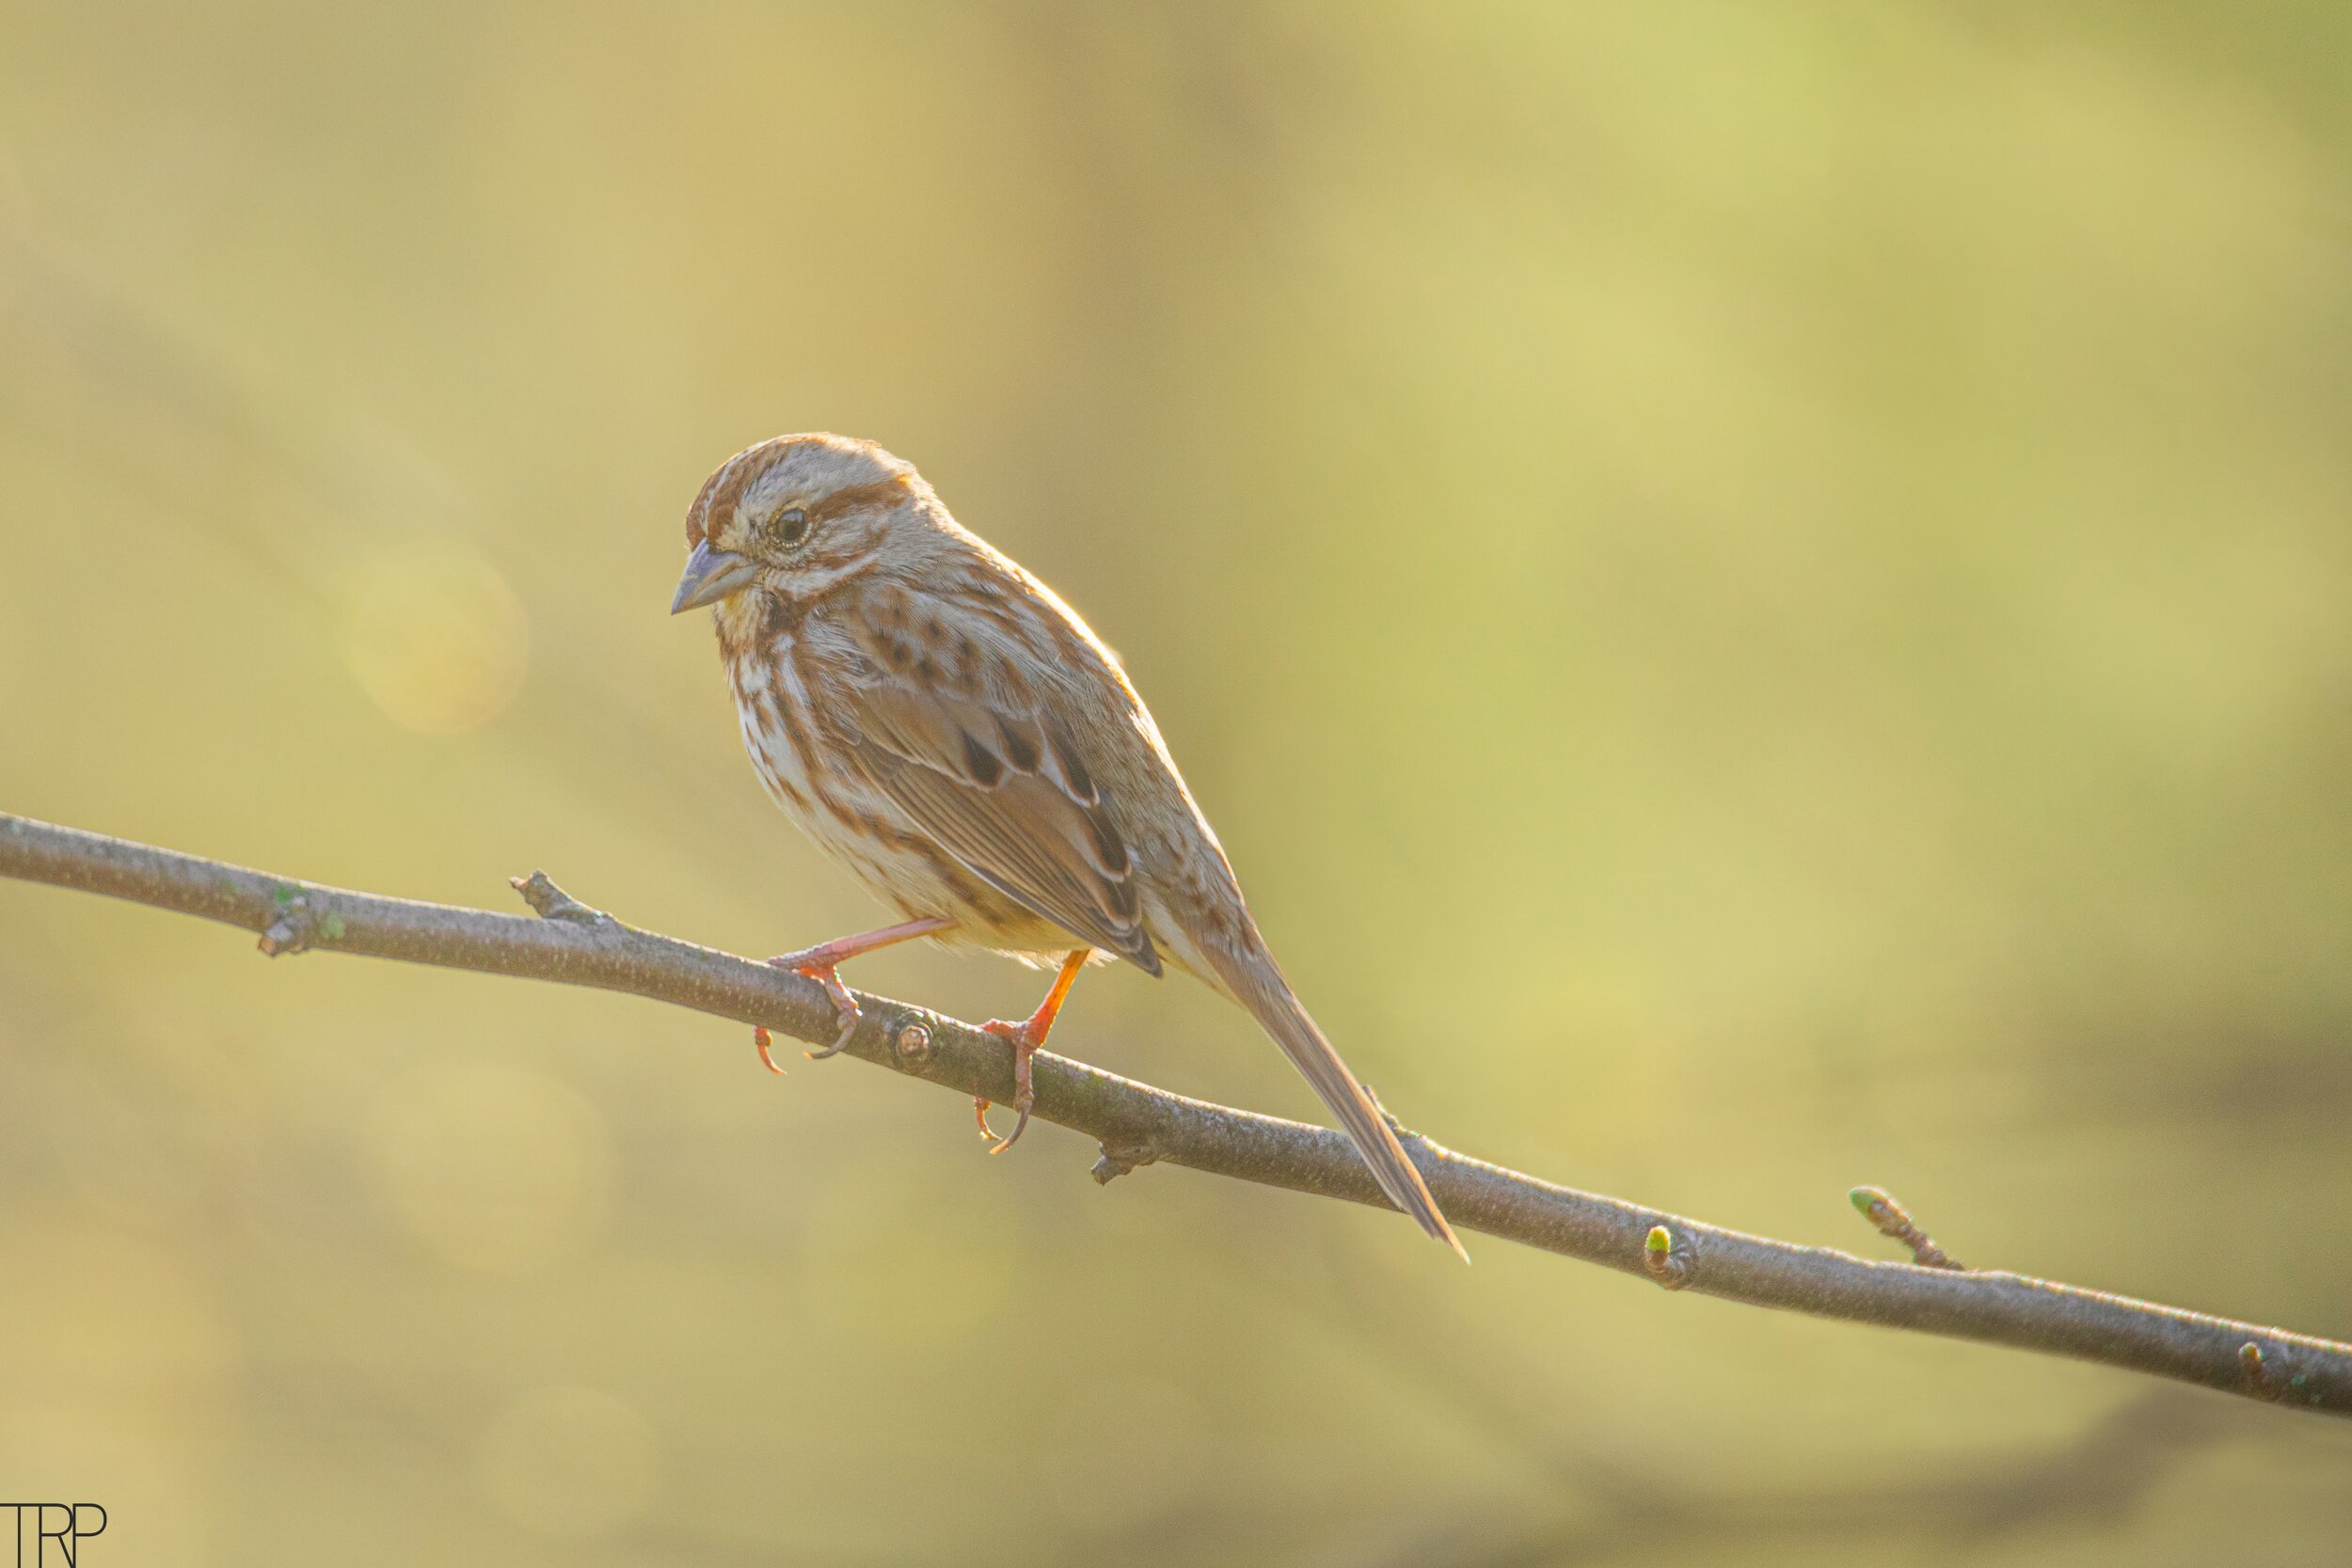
(1758,593)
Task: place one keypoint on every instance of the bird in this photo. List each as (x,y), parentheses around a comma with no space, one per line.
(951,732)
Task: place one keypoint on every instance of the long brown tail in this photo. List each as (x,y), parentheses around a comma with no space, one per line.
(1261,988)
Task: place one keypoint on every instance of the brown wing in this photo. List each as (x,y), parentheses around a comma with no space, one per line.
(973,756)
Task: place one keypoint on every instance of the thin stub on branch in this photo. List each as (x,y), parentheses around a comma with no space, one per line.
(1892,1219)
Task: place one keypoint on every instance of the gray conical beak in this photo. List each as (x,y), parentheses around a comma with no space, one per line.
(710,576)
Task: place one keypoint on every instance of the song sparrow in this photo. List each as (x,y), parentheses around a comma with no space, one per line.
(950,730)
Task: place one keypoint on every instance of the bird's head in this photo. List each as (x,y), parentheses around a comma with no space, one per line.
(792,516)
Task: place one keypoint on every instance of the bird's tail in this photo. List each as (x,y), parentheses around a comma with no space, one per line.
(1260,987)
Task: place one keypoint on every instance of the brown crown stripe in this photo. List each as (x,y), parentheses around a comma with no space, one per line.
(725,485)
(737,476)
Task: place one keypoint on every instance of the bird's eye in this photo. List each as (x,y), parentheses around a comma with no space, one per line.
(791,526)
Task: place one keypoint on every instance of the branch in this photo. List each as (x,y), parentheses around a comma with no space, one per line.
(1137,1124)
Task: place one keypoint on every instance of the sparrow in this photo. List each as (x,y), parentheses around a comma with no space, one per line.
(942,724)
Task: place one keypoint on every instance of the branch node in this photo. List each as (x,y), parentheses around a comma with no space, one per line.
(2272,1382)
(1119,1158)
(913,1044)
(1405,1133)
(297,926)
(1893,1220)
(550,902)
(1668,1263)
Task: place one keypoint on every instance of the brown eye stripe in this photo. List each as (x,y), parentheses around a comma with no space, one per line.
(880,494)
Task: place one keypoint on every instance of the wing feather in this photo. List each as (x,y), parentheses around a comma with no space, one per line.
(966,747)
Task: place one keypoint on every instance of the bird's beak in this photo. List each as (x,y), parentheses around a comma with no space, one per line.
(710,576)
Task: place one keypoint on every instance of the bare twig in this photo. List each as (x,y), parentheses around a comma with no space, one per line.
(1137,1124)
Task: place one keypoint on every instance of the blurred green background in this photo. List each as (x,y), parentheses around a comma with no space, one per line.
(1758,593)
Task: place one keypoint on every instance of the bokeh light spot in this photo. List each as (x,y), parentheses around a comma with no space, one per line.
(435,638)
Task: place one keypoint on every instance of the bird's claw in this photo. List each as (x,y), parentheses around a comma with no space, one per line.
(996,1144)
(1024,1087)
(850,1016)
(844,1005)
(1021,1124)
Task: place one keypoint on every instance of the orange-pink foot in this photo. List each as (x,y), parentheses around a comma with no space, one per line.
(1027,1036)
(819,962)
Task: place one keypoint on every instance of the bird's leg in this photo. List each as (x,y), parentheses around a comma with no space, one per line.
(1027,1036)
(818,962)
